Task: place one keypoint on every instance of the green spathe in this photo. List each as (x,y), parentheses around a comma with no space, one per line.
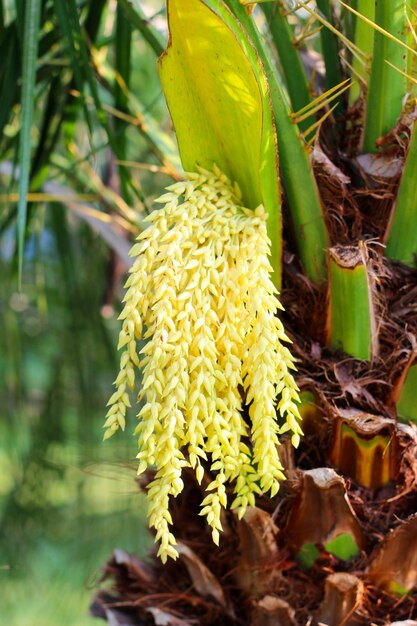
(218,98)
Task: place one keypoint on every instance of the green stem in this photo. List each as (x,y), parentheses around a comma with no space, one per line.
(351,324)
(364,447)
(402,232)
(386,85)
(330,48)
(412,58)
(407,401)
(297,174)
(364,40)
(292,67)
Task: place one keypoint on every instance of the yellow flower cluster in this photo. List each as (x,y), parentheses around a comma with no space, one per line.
(200,296)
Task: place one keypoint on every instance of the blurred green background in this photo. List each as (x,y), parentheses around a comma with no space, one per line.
(66,499)
(99,127)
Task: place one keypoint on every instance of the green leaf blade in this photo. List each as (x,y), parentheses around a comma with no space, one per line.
(9,75)
(138,21)
(123,47)
(30,47)
(93,19)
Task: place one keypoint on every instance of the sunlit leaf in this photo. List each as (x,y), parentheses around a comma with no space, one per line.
(218,99)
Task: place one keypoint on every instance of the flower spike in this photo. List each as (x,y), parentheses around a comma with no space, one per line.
(200,295)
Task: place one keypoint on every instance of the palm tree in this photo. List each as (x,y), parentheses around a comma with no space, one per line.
(337,544)
(334,86)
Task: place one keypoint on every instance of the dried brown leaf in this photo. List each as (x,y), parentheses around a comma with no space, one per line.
(272,611)
(204,581)
(344,594)
(396,559)
(163,618)
(258,548)
(379,165)
(321,511)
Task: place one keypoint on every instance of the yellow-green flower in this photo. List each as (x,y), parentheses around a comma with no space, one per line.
(200,294)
